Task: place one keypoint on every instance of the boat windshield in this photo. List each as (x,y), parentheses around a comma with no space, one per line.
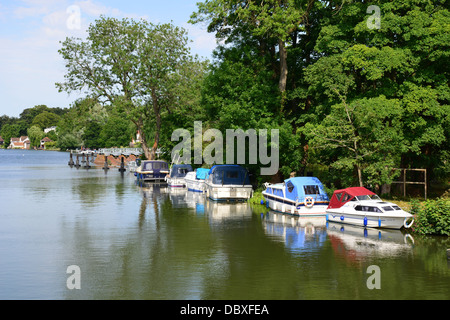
(368,197)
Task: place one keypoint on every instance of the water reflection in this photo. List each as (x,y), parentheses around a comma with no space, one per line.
(152,242)
(299,234)
(355,243)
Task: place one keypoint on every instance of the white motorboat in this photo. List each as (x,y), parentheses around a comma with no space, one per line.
(360,206)
(297,196)
(177,175)
(228,182)
(195,180)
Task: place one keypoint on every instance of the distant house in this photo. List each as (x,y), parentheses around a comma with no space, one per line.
(47,130)
(44,141)
(20,143)
(1,141)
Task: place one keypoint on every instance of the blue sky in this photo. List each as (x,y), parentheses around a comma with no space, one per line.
(30,32)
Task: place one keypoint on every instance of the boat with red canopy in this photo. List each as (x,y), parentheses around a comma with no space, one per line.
(360,206)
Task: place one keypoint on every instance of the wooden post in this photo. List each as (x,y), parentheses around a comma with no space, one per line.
(87,166)
(122,165)
(77,164)
(425,172)
(105,167)
(404,182)
(71,159)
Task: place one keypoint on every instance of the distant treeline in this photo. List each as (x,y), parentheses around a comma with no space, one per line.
(354,95)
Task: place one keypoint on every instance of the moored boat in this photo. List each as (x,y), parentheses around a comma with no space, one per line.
(360,206)
(177,175)
(195,180)
(298,196)
(228,182)
(152,170)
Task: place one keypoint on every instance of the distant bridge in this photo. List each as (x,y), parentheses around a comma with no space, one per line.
(111,152)
(121,151)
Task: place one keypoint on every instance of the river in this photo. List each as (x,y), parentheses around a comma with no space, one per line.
(131,242)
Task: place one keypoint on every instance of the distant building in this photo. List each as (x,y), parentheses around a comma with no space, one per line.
(20,143)
(1,141)
(47,130)
(44,141)
(135,142)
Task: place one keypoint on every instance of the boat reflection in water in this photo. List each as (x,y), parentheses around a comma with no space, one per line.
(356,243)
(196,200)
(228,211)
(299,234)
(177,196)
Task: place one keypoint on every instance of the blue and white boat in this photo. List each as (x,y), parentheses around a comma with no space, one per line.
(228,182)
(297,196)
(177,175)
(152,170)
(195,180)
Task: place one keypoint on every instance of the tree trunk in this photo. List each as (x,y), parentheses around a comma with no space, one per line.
(156,142)
(144,145)
(156,110)
(283,66)
(358,168)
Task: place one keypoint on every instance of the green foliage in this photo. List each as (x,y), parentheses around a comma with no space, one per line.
(9,131)
(35,134)
(129,64)
(432,216)
(45,120)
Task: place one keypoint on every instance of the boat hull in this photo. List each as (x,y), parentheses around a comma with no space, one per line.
(176,182)
(150,177)
(300,209)
(369,221)
(195,185)
(228,192)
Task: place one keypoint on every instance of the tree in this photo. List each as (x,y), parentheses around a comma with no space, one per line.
(35,134)
(128,63)
(91,135)
(402,62)
(364,136)
(265,19)
(9,131)
(45,120)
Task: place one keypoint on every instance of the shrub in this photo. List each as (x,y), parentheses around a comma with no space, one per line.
(432,216)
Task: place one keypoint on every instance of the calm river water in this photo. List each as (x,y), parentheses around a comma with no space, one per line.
(131,242)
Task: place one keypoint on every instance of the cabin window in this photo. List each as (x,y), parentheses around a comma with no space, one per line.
(232,174)
(338,196)
(311,189)
(345,198)
(367,209)
(290,186)
(156,165)
(388,208)
(396,208)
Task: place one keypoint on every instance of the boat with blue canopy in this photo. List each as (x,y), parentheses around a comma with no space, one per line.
(152,170)
(228,182)
(177,175)
(195,180)
(298,196)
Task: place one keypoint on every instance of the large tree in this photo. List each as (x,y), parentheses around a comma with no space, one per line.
(403,62)
(129,64)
